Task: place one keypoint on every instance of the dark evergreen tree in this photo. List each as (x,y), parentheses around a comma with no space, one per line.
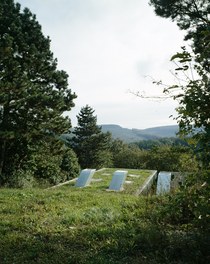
(34,94)
(90,144)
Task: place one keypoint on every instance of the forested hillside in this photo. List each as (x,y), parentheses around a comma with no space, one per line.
(132,135)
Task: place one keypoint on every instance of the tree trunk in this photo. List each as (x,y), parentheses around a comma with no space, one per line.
(2,156)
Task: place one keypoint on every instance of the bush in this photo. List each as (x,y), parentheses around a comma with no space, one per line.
(189,207)
(103,159)
(55,166)
(130,157)
(48,162)
(69,164)
(22,179)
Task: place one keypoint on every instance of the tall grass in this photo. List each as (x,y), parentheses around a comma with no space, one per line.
(90,225)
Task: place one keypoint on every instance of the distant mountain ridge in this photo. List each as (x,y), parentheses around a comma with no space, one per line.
(132,135)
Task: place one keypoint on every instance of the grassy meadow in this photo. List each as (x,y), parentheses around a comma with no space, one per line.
(85,225)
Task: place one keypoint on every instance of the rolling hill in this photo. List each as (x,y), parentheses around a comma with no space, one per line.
(132,135)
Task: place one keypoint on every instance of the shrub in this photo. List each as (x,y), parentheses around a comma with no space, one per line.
(48,162)
(22,179)
(69,164)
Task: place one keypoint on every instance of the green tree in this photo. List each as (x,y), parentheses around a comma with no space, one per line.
(90,144)
(69,164)
(193,94)
(192,16)
(171,158)
(34,93)
(193,67)
(130,157)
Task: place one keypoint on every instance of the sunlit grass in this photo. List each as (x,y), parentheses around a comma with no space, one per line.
(39,225)
(42,224)
(134,180)
(90,225)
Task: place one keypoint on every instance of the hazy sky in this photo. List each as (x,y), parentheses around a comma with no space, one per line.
(109,48)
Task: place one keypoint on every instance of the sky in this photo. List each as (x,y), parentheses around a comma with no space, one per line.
(112,49)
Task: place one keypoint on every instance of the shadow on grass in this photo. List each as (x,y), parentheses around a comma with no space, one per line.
(127,243)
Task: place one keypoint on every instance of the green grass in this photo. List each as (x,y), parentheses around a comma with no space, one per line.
(135,177)
(65,224)
(88,225)
(43,225)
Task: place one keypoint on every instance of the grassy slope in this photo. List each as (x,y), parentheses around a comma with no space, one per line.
(66,225)
(43,226)
(89,225)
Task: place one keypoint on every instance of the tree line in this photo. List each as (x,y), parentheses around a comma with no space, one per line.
(95,149)
(34,148)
